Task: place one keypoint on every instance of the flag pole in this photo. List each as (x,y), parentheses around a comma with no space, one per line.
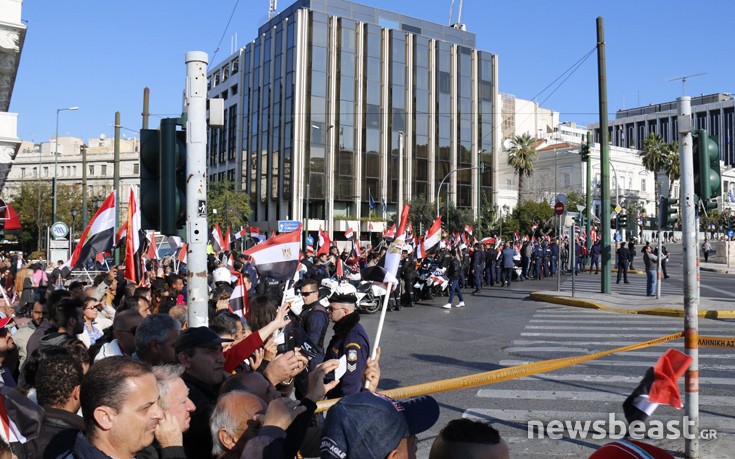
(380,325)
(87,273)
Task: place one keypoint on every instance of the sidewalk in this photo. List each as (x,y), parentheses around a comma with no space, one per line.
(720,268)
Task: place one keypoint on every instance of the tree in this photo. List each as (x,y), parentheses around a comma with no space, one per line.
(654,157)
(421,214)
(521,157)
(232,205)
(672,166)
(528,214)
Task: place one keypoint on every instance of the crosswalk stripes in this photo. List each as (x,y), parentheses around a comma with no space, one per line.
(596,389)
(637,286)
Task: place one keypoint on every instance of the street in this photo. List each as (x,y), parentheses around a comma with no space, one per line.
(501,328)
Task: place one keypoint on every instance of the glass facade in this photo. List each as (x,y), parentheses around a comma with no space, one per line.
(316,106)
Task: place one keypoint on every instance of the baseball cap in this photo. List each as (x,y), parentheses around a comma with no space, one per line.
(369,425)
(197,337)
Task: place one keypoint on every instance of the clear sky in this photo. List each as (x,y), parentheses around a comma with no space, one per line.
(100,54)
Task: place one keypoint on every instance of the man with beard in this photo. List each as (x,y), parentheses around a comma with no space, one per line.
(39,314)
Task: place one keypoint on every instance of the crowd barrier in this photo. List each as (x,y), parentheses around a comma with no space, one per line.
(529,369)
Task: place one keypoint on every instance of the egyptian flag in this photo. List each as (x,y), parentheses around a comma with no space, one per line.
(254,232)
(226,240)
(378,274)
(21,418)
(349,234)
(420,251)
(468,229)
(659,386)
(433,234)
(278,257)
(324,243)
(239,298)
(593,234)
(231,262)
(121,234)
(242,233)
(516,237)
(217,243)
(339,271)
(133,246)
(390,232)
(393,255)
(97,237)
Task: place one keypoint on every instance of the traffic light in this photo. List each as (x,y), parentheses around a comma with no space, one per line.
(163,177)
(706,156)
(731,223)
(173,176)
(668,208)
(149,179)
(584,151)
(623,220)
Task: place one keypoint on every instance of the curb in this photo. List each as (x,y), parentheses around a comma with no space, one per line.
(666,312)
(631,271)
(718,270)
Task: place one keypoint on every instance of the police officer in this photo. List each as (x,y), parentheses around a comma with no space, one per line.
(350,339)
(623,258)
(478,266)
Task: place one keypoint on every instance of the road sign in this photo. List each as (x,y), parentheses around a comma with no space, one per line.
(559,208)
(561,197)
(59,230)
(286,226)
(618,208)
(730,233)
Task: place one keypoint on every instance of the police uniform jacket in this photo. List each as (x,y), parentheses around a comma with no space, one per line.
(349,339)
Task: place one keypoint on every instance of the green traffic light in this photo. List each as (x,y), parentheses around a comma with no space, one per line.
(707,175)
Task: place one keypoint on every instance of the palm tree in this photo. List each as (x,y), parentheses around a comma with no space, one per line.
(673,165)
(521,157)
(654,157)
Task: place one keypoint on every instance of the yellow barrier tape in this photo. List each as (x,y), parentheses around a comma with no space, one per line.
(716,341)
(504,374)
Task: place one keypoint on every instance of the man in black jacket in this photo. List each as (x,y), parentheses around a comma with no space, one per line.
(623,255)
(478,266)
(58,379)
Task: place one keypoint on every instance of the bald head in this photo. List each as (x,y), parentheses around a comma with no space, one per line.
(233,417)
(253,383)
(468,439)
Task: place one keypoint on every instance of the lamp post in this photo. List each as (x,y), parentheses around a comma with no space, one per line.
(439,190)
(71,228)
(56,161)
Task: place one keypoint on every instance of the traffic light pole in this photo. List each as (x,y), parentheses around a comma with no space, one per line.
(691,296)
(195,106)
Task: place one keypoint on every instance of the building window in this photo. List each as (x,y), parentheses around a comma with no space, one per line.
(91,169)
(103,172)
(643,185)
(22,172)
(45,171)
(136,168)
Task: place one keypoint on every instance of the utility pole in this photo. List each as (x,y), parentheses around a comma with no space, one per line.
(116,180)
(691,292)
(588,200)
(146,98)
(195,106)
(604,160)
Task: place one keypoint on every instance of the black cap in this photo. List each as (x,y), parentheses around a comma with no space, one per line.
(198,337)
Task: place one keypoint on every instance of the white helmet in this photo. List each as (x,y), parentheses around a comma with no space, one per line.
(221,275)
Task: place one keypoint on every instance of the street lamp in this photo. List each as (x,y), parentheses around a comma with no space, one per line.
(56,161)
(71,230)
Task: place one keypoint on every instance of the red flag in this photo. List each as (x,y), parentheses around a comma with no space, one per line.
(390,232)
(226,240)
(433,234)
(121,233)
(152,249)
(98,236)
(339,271)
(468,229)
(278,257)
(132,241)
(667,371)
(349,233)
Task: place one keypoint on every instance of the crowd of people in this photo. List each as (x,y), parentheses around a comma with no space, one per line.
(111,368)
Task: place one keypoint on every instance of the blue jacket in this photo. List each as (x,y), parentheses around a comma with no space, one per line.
(507,255)
(349,339)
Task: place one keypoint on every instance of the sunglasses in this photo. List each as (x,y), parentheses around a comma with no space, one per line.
(308,293)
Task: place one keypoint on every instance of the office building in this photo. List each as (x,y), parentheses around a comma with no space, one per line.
(318,106)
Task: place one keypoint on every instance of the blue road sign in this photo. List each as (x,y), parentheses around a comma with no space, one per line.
(286,226)
(730,233)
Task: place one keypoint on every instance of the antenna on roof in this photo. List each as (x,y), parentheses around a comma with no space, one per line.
(272,9)
(684,79)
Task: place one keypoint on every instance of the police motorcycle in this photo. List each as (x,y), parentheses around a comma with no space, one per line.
(431,280)
(369,295)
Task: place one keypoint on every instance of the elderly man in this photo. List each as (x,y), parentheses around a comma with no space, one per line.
(119,399)
(350,340)
(173,396)
(155,338)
